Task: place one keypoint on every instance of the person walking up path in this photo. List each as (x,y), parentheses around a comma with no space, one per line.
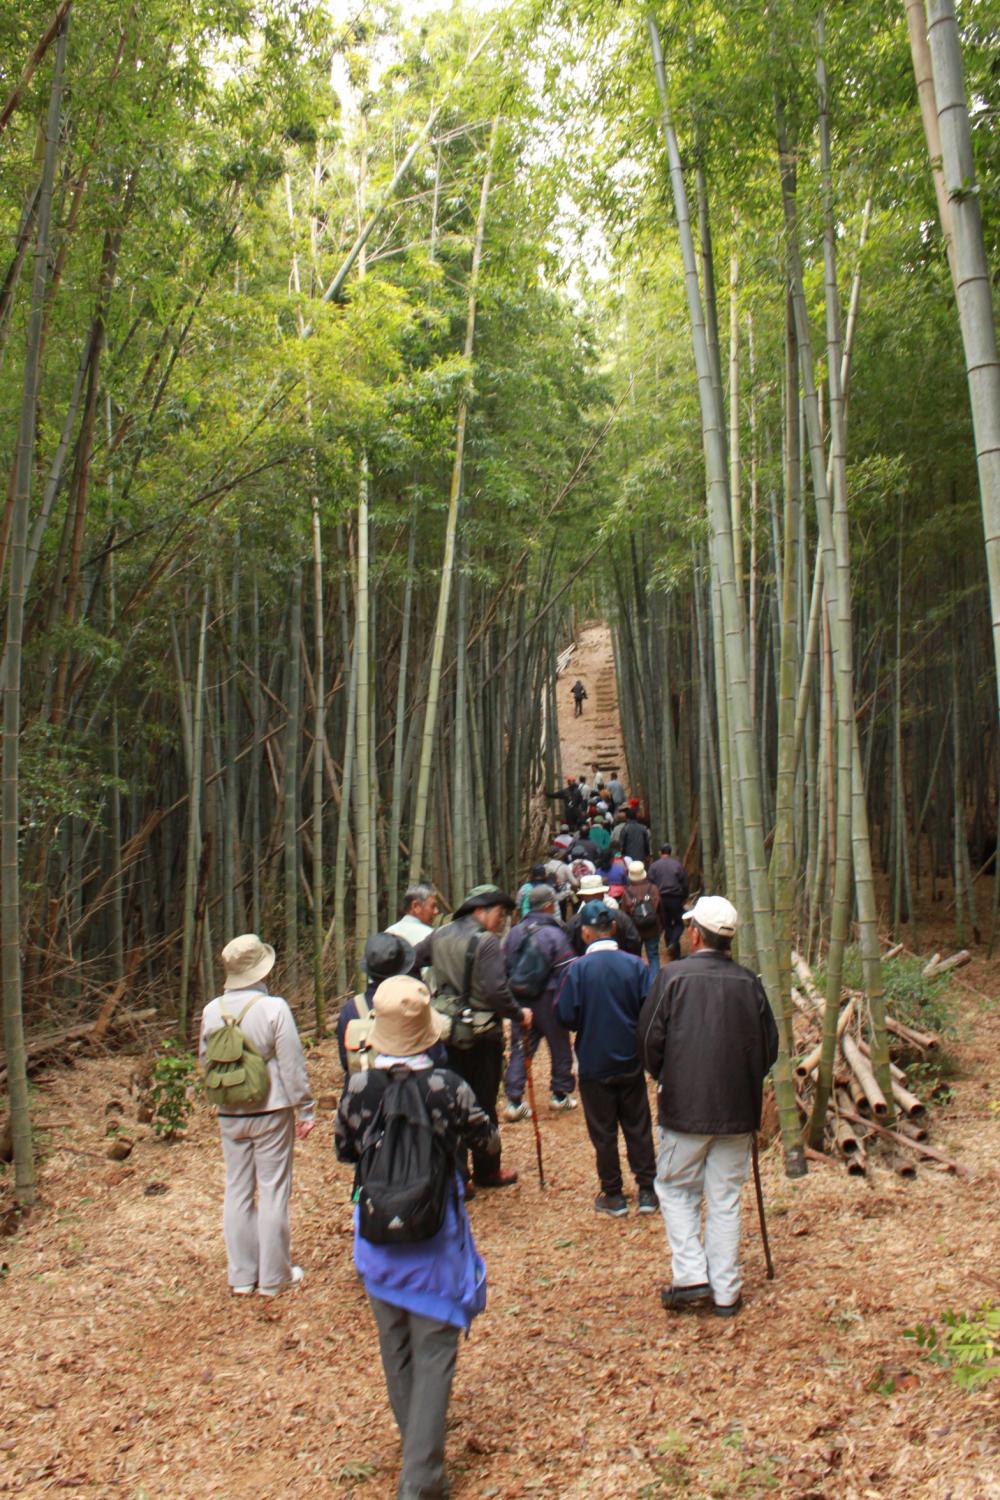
(579,693)
(641,900)
(258,1139)
(671,880)
(601,1000)
(425,1293)
(709,1039)
(542,928)
(469,968)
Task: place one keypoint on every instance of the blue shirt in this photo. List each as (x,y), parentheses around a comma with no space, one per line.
(601,999)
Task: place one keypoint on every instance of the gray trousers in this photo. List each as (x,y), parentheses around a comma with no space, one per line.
(418,1357)
(258,1151)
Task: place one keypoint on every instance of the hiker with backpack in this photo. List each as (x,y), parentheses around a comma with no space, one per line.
(537,953)
(403,1123)
(601,1000)
(386,954)
(633,841)
(255,1075)
(579,693)
(641,900)
(537,877)
(470,989)
(569,795)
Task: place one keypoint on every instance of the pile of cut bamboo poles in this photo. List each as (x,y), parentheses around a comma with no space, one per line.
(858,1110)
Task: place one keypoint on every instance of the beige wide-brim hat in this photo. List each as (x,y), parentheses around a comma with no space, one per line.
(246,961)
(591,885)
(636,869)
(404,1022)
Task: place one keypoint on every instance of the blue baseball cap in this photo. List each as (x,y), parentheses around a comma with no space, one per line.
(596,914)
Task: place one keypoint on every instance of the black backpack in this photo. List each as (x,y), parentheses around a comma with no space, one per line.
(405,1173)
(530,970)
(644,913)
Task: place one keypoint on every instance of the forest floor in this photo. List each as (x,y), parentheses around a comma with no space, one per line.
(127,1370)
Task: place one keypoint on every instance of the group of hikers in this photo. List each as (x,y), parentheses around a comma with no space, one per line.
(423,1049)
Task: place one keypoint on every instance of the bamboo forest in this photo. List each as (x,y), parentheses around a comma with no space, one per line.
(531,470)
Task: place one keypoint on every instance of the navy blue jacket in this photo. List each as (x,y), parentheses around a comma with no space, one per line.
(601,1000)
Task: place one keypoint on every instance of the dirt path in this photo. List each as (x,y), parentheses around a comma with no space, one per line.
(129,1371)
(596,734)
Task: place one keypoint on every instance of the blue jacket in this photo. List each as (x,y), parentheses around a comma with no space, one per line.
(443,1278)
(601,1000)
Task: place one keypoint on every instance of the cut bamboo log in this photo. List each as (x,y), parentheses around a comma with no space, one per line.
(847,1142)
(807,981)
(810,1062)
(912,1145)
(903,1167)
(924,1041)
(893,952)
(939,965)
(908,1103)
(912,1130)
(862,1070)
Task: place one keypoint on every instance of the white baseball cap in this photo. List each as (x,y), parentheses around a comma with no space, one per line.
(715,914)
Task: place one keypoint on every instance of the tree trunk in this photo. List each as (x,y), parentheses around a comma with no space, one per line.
(10,901)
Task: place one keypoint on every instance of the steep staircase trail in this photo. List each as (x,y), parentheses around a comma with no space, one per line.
(596,735)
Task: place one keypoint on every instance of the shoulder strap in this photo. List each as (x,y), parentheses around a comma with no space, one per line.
(470,964)
(362,1007)
(239,1018)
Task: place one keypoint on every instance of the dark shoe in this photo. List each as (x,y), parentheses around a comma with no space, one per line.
(648,1201)
(674,1298)
(614,1204)
(727,1309)
(470,1191)
(499,1179)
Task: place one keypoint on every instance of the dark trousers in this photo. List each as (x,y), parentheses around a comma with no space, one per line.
(418,1358)
(608,1103)
(671,910)
(577,707)
(481,1065)
(543,1024)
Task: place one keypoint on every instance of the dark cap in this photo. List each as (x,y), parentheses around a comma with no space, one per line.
(387,954)
(484,896)
(596,914)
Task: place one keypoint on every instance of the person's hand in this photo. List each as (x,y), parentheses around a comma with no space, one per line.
(526,1018)
(303,1128)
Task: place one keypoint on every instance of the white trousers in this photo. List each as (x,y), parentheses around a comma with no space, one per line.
(689,1167)
(258,1151)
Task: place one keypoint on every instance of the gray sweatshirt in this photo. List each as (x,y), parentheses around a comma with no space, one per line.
(270,1026)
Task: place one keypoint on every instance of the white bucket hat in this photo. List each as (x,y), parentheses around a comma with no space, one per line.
(636,869)
(591,885)
(715,914)
(246,961)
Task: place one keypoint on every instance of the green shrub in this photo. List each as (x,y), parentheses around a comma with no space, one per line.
(170,1095)
(967,1344)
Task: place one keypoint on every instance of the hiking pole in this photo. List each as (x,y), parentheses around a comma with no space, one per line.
(760,1207)
(529,1080)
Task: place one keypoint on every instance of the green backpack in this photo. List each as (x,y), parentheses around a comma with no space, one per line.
(236,1075)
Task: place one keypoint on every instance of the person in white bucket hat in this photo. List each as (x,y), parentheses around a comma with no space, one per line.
(258,1139)
(709,1039)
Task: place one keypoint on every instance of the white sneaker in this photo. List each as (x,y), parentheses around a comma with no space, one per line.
(517,1110)
(243,1291)
(568,1101)
(286,1286)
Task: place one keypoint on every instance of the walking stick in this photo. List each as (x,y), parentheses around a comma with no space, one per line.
(760,1207)
(526,1054)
